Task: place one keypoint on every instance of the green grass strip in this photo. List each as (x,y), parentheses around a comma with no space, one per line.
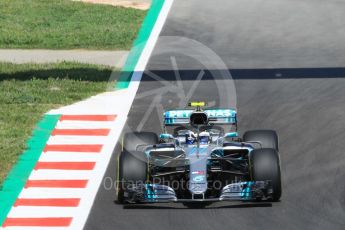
(20,172)
(66,24)
(139,44)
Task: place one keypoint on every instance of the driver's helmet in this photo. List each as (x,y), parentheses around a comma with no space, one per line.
(204,138)
(190,138)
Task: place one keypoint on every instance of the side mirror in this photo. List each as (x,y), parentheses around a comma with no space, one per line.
(231,135)
(166,136)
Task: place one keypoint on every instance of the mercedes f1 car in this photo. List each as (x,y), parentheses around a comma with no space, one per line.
(199,159)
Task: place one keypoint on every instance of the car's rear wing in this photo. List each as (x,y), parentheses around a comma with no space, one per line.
(215,116)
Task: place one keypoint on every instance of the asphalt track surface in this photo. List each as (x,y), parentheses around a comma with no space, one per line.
(287,60)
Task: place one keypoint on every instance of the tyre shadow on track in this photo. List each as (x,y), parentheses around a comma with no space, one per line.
(162,206)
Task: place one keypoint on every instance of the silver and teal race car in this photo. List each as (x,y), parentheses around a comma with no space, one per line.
(199,159)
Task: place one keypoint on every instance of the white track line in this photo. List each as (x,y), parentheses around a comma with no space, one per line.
(102,104)
(52,193)
(48,174)
(77,140)
(85,125)
(77,157)
(31,211)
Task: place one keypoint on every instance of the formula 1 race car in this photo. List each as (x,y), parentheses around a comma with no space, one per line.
(199,161)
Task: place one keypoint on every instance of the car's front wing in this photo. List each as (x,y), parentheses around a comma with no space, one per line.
(240,191)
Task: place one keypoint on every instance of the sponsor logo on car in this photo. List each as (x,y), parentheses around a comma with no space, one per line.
(198,178)
(209,112)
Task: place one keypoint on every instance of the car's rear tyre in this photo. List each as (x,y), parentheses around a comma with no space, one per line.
(132,170)
(267,138)
(133,141)
(265,166)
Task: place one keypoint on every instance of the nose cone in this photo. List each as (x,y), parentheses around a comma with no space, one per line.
(198,170)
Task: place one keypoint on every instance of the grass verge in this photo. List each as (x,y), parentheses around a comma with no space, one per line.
(65,24)
(27,91)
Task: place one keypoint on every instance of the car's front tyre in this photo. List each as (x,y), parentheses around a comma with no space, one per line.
(132,171)
(132,164)
(265,166)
